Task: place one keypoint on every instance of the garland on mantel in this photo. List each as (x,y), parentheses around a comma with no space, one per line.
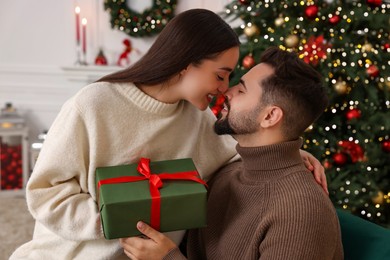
(147,23)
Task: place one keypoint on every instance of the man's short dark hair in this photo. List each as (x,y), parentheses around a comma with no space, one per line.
(296,88)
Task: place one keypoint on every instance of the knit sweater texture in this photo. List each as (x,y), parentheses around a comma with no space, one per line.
(107,124)
(266,207)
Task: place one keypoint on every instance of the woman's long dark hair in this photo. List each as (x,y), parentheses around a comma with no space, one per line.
(188,38)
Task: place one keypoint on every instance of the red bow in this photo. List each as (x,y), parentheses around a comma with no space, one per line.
(155,183)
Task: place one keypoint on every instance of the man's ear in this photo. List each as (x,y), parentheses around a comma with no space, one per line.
(273,115)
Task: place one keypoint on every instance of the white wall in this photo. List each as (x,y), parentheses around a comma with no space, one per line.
(38,50)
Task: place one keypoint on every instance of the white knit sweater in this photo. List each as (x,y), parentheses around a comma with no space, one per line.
(103,125)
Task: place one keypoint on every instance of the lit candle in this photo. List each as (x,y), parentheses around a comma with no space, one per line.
(84,23)
(77,11)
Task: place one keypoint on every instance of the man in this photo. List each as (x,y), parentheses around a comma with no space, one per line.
(265,206)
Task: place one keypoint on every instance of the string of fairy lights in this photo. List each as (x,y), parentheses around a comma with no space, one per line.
(347,42)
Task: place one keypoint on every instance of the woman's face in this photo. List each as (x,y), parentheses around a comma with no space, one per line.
(201,82)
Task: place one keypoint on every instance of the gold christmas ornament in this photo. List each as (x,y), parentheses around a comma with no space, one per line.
(279,21)
(367,47)
(384,85)
(292,41)
(341,87)
(251,30)
(379,198)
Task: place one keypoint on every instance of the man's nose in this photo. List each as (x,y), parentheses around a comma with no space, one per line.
(229,93)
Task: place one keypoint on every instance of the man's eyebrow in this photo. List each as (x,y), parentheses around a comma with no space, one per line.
(243,83)
(226,69)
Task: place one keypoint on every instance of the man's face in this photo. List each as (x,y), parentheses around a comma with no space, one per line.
(242,110)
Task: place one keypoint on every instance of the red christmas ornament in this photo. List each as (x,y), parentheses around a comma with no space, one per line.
(216,110)
(244,2)
(374,2)
(335,19)
(248,61)
(314,50)
(386,46)
(354,150)
(220,99)
(100,59)
(327,165)
(372,71)
(11,167)
(353,113)
(311,11)
(339,158)
(386,146)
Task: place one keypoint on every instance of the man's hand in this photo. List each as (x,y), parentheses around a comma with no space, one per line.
(313,165)
(155,246)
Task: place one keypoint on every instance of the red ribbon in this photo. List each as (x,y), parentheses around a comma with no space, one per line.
(155,183)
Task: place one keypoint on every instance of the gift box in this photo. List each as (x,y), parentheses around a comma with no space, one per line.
(168,195)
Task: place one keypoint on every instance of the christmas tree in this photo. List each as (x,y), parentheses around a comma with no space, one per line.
(348,42)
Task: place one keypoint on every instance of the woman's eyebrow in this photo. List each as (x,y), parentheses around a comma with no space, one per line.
(226,68)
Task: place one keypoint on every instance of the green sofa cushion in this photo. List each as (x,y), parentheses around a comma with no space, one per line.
(363,240)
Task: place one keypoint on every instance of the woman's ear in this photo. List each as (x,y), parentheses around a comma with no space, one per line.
(183,71)
(273,115)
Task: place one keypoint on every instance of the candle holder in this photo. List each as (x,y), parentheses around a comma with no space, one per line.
(84,58)
(80,58)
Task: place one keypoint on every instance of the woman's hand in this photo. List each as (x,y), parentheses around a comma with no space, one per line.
(313,165)
(155,246)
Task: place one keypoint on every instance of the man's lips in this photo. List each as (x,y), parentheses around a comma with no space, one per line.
(225,107)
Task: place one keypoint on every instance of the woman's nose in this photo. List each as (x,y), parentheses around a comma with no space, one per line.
(223,87)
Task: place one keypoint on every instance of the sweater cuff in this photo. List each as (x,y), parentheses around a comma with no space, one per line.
(174,254)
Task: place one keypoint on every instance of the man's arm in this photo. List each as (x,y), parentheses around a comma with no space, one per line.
(301,228)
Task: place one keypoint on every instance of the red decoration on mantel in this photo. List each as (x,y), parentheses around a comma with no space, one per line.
(100,59)
(124,59)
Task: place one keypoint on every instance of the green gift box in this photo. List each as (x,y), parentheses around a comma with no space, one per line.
(124,197)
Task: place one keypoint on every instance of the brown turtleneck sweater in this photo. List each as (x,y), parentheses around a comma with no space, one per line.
(266,207)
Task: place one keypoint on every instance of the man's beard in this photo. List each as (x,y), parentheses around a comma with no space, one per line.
(223,127)
(240,124)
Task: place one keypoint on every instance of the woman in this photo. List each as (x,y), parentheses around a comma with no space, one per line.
(152,109)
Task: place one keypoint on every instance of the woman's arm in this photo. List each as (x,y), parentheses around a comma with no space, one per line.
(154,246)
(313,165)
(57,192)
